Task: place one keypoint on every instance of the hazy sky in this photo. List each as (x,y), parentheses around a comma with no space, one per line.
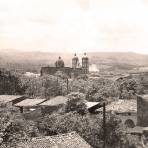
(74,25)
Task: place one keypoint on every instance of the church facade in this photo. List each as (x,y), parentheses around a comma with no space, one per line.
(73,71)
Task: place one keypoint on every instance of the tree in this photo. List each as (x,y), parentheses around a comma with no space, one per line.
(14,128)
(127,88)
(10,82)
(87,126)
(95,89)
(45,86)
(76,102)
(61,75)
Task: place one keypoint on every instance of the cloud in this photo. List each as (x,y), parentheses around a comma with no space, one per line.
(74,25)
(84,4)
(43,20)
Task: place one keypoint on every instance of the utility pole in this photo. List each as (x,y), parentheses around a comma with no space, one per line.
(67,85)
(103,105)
(104,125)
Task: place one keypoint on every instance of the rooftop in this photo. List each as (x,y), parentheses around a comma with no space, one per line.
(55,101)
(122,106)
(8,98)
(68,140)
(135,130)
(91,104)
(30,102)
(145,96)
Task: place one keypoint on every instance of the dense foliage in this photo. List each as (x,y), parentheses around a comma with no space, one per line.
(76,103)
(10,82)
(45,86)
(87,126)
(14,128)
(73,116)
(96,89)
(128,88)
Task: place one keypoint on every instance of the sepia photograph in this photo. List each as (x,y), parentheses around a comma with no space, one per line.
(73,73)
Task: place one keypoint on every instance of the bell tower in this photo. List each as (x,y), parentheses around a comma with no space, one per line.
(85,64)
(75,61)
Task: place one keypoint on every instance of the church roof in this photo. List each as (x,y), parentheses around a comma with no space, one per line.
(68,140)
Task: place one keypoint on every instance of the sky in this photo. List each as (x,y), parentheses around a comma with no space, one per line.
(74,25)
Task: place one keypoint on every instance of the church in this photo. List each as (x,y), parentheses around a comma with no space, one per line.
(73,71)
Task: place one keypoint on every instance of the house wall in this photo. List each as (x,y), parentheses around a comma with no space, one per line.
(49,109)
(128,117)
(142,111)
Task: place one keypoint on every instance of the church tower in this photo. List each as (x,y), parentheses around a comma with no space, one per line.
(75,61)
(85,64)
(59,63)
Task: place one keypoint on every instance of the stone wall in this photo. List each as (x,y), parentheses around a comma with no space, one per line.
(142,111)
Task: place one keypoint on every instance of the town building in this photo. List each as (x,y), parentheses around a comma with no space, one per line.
(73,71)
(126,110)
(30,108)
(133,112)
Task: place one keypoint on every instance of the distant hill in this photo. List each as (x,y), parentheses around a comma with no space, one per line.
(120,57)
(29,61)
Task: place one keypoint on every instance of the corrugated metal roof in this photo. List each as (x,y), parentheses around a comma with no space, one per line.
(8,98)
(91,104)
(30,102)
(55,101)
(69,140)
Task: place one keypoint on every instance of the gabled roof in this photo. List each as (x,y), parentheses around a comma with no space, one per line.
(68,140)
(9,98)
(55,101)
(30,102)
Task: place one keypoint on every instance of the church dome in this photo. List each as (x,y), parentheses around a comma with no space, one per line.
(75,57)
(59,63)
(85,56)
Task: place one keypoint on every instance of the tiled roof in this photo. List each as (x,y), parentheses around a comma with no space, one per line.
(55,101)
(122,106)
(8,98)
(69,140)
(30,102)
